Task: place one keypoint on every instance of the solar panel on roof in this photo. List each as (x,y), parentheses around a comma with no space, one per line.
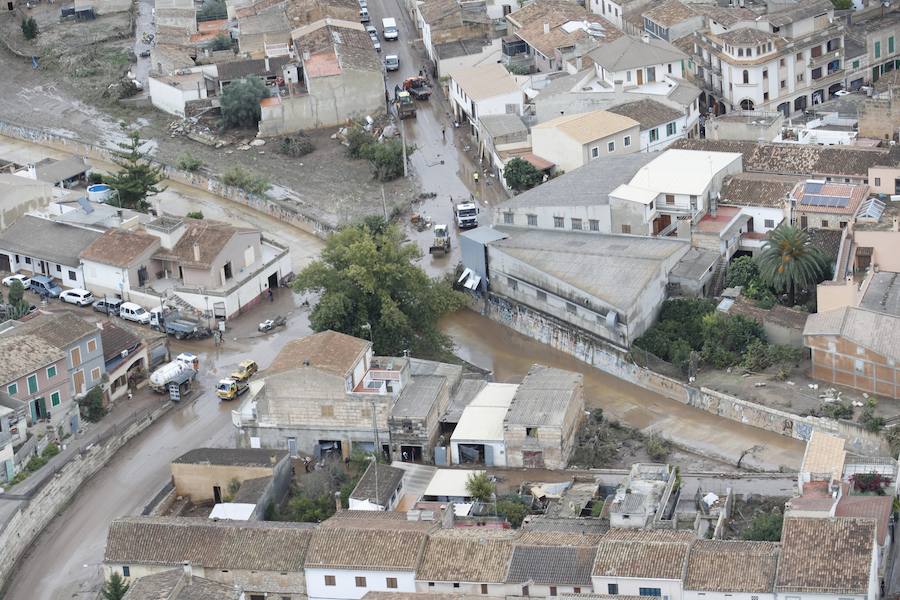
(813,187)
(85,205)
(826,201)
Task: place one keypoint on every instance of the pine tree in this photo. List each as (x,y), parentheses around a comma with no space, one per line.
(115,588)
(138,177)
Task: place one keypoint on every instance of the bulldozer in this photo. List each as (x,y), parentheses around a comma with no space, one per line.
(440,246)
(404,103)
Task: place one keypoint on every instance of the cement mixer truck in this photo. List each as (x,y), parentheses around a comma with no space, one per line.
(184,364)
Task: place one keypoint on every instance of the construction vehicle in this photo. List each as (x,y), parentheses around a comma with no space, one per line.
(246,369)
(229,389)
(466,215)
(441,244)
(404,103)
(418,87)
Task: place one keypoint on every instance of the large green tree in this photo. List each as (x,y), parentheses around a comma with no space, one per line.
(521,175)
(370,288)
(240,102)
(138,178)
(789,261)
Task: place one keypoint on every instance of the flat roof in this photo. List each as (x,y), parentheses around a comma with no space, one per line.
(682,171)
(883,294)
(483,418)
(450,482)
(484,81)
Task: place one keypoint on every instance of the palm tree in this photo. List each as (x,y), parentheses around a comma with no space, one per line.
(789,260)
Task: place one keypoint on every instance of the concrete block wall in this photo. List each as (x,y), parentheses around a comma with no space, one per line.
(28,522)
(606,357)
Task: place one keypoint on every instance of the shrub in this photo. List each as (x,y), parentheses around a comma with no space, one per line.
(95,177)
(35,463)
(240,102)
(50,451)
(765,528)
(29,28)
(658,448)
(741,271)
(514,509)
(91,405)
(868,419)
(239,178)
(597,508)
(221,42)
(212,9)
(387,159)
(870,482)
(480,487)
(838,410)
(195,214)
(186,162)
(296,146)
(358,140)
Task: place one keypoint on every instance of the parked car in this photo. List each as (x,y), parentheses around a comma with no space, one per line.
(109,306)
(392,62)
(364,15)
(23,279)
(375,42)
(246,369)
(372,30)
(77,296)
(44,286)
(134,312)
(363,4)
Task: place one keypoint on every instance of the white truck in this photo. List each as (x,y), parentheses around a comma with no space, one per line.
(184,362)
(466,215)
(390,31)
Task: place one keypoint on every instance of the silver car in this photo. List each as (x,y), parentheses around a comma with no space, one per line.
(391,62)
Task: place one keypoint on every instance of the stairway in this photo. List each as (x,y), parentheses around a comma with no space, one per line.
(717,282)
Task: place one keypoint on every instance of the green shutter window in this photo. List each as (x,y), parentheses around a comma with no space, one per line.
(51,372)
(891,45)
(12,388)
(54,399)
(877,49)
(855,64)
(32,384)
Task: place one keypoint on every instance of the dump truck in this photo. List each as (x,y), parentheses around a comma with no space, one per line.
(466,215)
(404,103)
(229,389)
(246,369)
(441,244)
(418,87)
(184,365)
(174,323)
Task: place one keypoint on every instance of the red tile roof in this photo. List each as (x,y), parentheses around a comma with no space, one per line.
(871,507)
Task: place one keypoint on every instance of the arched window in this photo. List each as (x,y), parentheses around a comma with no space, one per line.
(746,76)
(740,51)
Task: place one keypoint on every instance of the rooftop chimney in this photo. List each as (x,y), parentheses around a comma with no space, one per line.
(188,571)
(546,27)
(196,252)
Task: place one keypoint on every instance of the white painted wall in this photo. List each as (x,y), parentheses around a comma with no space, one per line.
(66,276)
(671,589)
(345,583)
(171,99)
(104,279)
(498,451)
(594,212)
(702,595)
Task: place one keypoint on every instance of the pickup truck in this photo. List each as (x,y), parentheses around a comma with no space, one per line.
(229,389)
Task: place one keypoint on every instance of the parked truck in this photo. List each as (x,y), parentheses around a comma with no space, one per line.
(185,364)
(418,87)
(404,103)
(466,215)
(229,389)
(174,323)
(441,243)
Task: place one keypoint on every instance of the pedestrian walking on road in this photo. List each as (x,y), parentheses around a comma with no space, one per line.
(444,133)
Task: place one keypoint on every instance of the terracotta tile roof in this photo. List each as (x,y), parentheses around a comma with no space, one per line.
(119,247)
(301,12)
(250,545)
(826,556)
(816,497)
(830,198)
(378,489)
(210,238)
(559,538)
(732,566)
(336,45)
(670,13)
(746,36)
(356,548)
(175,585)
(23,354)
(725,16)
(868,507)
(329,351)
(803,160)
(60,329)
(588,127)
(753,189)
(529,22)
(824,454)
(115,340)
(647,554)
(470,559)
(552,565)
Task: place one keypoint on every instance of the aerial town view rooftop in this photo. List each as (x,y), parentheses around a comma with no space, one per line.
(449,299)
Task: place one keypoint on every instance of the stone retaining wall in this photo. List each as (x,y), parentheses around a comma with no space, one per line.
(32,517)
(598,353)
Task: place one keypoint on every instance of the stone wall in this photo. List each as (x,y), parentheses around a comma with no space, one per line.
(597,353)
(286,209)
(32,517)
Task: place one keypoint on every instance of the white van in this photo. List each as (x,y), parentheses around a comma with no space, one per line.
(77,296)
(389,24)
(134,312)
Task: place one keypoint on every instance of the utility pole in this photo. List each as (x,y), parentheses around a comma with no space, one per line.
(383,202)
(377,442)
(403,142)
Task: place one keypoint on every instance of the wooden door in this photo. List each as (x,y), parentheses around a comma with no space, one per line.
(79,382)
(640,77)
